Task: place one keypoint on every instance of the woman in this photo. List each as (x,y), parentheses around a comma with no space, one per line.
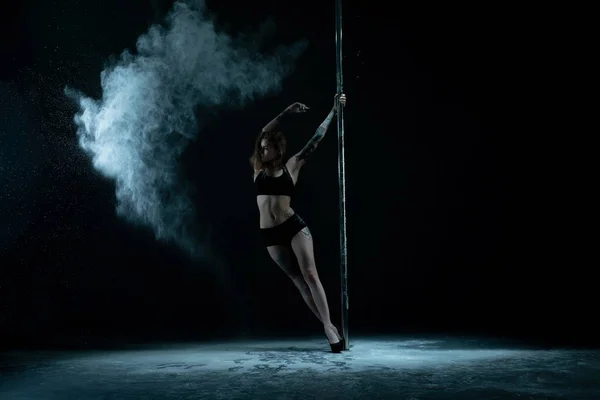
(287,238)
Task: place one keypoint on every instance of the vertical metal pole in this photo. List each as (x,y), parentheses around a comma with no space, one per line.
(341,174)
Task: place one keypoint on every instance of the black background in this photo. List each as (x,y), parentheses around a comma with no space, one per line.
(459,213)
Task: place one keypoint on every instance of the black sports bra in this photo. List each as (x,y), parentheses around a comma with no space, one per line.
(282,185)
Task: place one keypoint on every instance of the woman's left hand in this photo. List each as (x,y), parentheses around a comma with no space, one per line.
(297,108)
(342,101)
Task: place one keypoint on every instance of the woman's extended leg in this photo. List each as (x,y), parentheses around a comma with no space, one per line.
(302,245)
(286,260)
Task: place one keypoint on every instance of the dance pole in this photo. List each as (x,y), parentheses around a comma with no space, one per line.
(341,173)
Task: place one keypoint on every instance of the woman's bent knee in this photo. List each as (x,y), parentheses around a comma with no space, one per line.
(310,275)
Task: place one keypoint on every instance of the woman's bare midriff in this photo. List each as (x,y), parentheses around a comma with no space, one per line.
(273,210)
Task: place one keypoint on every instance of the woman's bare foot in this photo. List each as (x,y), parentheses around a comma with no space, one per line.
(337,332)
(332,334)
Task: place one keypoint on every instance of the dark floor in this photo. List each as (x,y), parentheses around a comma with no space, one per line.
(374,368)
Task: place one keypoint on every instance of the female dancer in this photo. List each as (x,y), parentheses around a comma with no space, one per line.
(287,238)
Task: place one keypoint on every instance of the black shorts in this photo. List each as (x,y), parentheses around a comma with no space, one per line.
(283,233)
